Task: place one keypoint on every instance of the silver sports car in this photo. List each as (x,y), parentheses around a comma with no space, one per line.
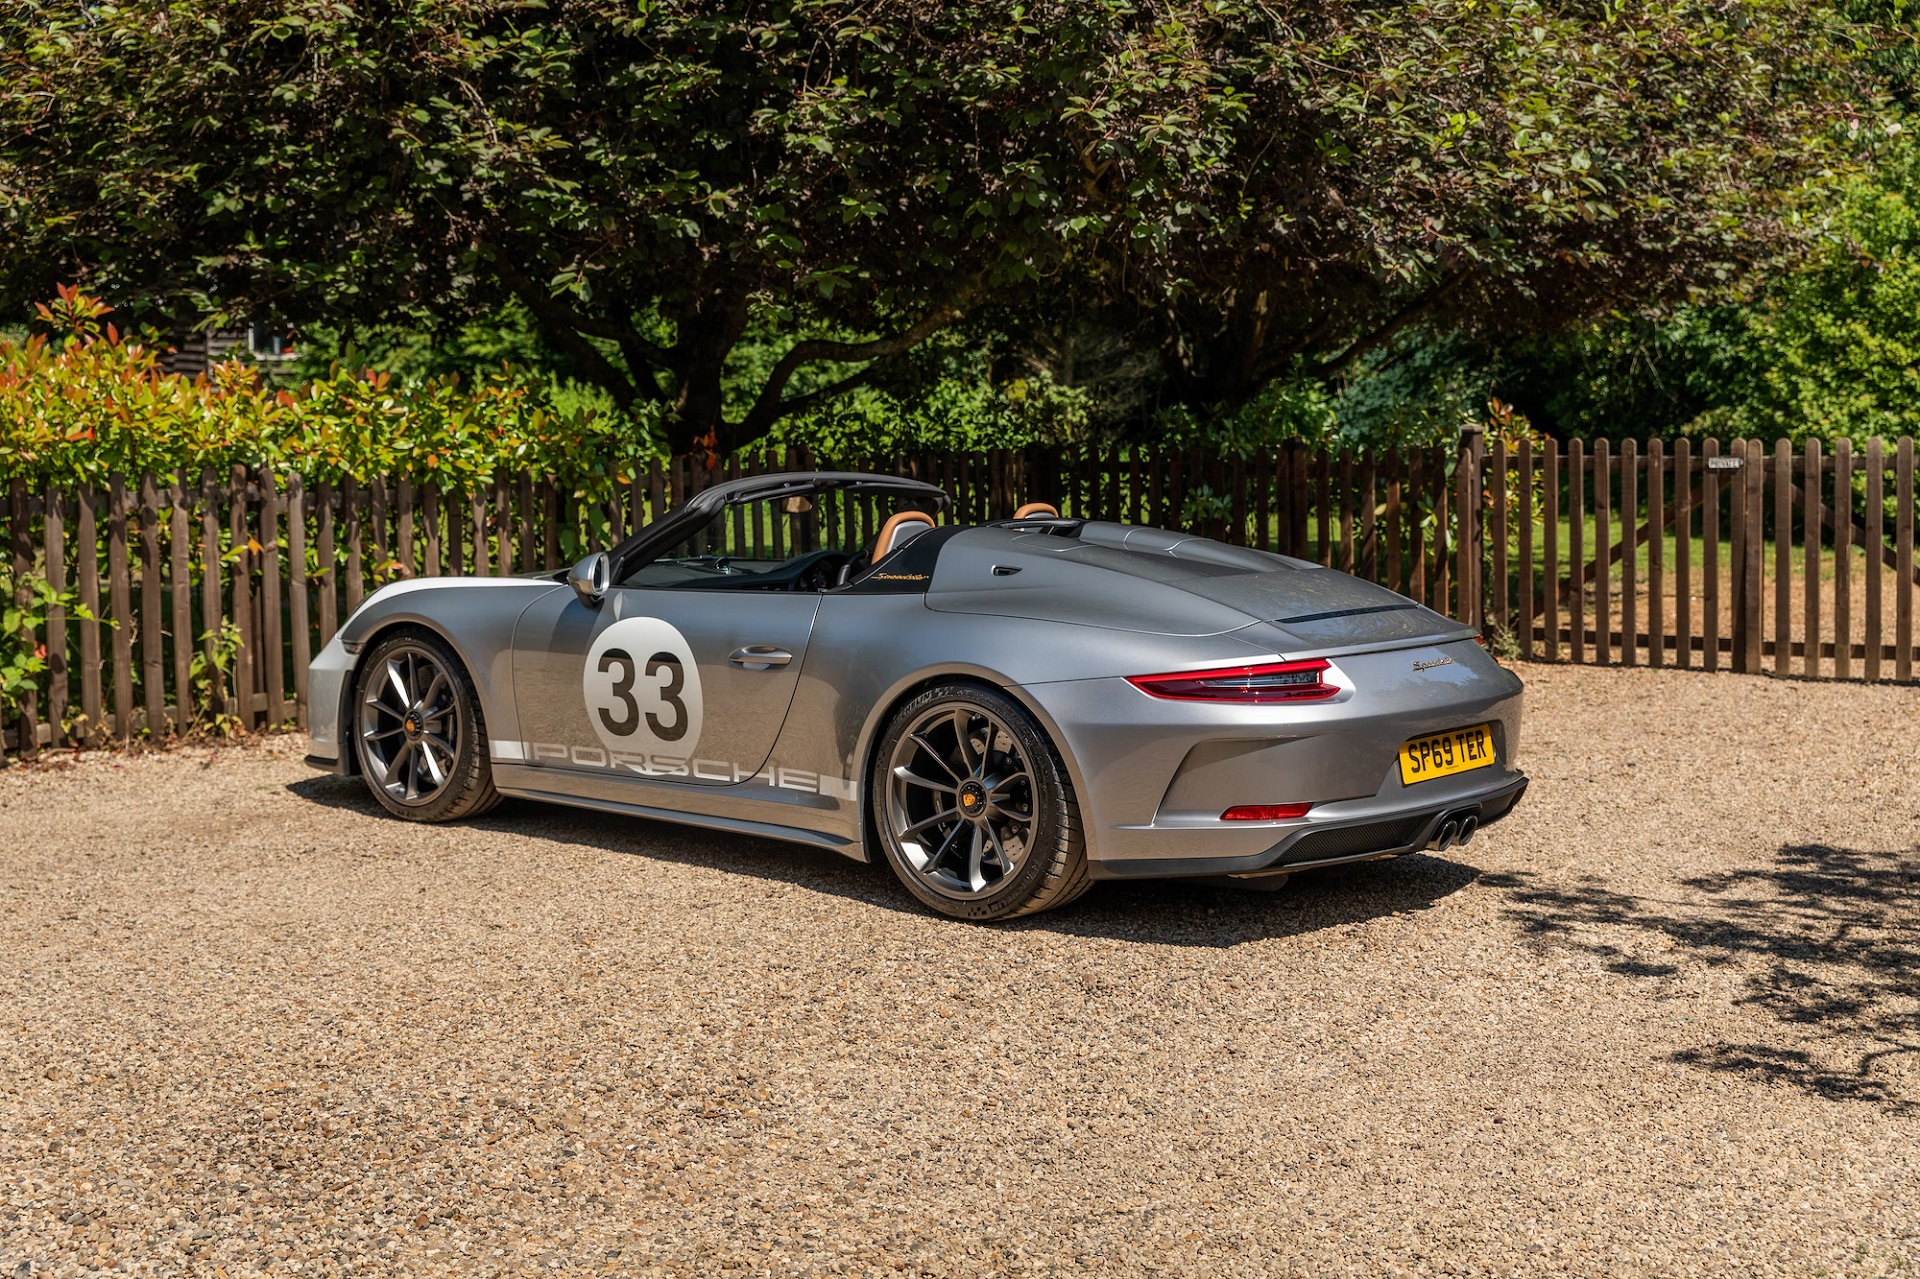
(1007,711)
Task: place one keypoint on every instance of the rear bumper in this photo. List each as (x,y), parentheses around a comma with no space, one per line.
(1154,776)
(1333,843)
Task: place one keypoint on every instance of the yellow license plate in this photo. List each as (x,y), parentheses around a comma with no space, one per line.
(1458,750)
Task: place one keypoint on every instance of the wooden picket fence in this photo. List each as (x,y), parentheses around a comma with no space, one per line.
(210,594)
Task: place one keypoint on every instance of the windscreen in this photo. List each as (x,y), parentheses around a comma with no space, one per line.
(760,543)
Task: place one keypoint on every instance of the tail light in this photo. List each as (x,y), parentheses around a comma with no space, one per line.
(1264,812)
(1273,682)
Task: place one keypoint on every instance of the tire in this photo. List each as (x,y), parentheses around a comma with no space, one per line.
(425,760)
(1010,843)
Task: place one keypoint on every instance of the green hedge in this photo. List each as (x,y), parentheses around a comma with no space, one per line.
(90,402)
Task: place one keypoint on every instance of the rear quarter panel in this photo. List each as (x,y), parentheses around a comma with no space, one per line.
(871,652)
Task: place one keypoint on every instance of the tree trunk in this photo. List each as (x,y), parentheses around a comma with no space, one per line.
(708,330)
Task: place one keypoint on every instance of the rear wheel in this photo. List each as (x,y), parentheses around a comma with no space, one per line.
(974,807)
(417,727)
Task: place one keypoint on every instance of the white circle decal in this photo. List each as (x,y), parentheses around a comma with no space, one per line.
(643,689)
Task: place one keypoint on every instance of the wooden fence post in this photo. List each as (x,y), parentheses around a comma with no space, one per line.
(1876,541)
(1812,476)
(1550,535)
(384,562)
(120,591)
(1752,539)
(273,648)
(1782,556)
(1683,554)
(477,503)
(1523,622)
(1469,533)
(1445,522)
(297,585)
(20,528)
(325,550)
(1657,554)
(353,502)
(1602,553)
(54,543)
(180,571)
(86,560)
(152,657)
(241,594)
(404,530)
(1576,549)
(1711,623)
(1500,615)
(212,623)
(1736,554)
(1843,558)
(1297,481)
(430,505)
(1629,553)
(1903,562)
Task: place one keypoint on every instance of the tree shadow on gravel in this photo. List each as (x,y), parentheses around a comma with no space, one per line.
(1163,912)
(1826,941)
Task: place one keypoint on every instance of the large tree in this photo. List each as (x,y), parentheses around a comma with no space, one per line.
(1247,184)
(644,177)
(1502,169)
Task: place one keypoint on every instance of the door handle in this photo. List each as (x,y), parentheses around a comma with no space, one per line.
(759,657)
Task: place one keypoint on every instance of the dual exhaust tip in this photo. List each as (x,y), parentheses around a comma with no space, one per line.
(1455,828)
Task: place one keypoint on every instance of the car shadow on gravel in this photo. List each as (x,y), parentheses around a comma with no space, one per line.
(1163,912)
(1824,941)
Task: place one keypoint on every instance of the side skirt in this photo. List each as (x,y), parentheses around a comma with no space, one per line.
(737,825)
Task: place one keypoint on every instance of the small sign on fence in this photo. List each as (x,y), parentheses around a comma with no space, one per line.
(1725,463)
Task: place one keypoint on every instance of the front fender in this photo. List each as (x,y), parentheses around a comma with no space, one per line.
(474,617)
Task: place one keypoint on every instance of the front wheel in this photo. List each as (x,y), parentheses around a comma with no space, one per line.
(417,728)
(974,808)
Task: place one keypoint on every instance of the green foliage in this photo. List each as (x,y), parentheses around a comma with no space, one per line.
(1501,169)
(80,406)
(1248,186)
(645,180)
(949,401)
(1629,376)
(1829,350)
(212,677)
(27,601)
(1836,351)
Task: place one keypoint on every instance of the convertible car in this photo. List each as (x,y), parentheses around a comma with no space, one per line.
(1005,711)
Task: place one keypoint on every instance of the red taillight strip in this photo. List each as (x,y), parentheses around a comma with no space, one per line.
(1273,682)
(1265,812)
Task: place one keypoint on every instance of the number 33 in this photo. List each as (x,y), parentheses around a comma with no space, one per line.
(621,662)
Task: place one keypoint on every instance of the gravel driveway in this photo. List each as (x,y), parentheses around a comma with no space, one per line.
(1663,1022)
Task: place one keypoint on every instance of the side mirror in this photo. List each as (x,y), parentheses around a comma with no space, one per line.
(591,577)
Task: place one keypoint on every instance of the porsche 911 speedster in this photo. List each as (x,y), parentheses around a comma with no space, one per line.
(1005,711)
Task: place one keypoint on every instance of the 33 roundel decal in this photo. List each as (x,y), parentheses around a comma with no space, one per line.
(642,688)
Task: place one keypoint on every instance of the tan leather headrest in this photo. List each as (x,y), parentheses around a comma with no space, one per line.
(1036,508)
(890,537)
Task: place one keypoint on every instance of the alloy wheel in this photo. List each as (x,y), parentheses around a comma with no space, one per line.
(960,801)
(409,723)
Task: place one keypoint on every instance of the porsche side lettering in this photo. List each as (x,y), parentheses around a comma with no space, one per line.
(656,765)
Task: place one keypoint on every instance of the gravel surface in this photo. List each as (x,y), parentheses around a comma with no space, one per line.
(1663,1021)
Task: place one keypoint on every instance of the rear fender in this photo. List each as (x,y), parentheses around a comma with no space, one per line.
(906,689)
